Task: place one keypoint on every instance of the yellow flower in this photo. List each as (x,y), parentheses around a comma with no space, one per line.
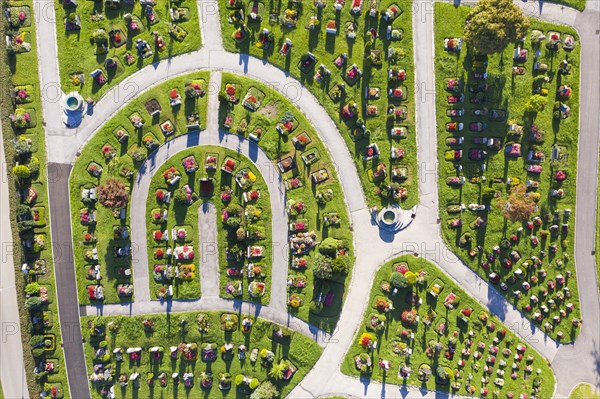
(252,177)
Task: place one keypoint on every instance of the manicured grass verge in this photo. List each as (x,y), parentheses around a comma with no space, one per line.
(77,52)
(598,235)
(21,70)
(441,344)
(509,92)
(167,331)
(584,391)
(576,4)
(280,147)
(326,48)
(134,146)
(182,215)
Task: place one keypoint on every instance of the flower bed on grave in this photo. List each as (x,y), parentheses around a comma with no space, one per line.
(454,342)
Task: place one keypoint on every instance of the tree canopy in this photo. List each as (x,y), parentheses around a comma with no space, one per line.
(493,24)
(113,194)
(536,103)
(518,206)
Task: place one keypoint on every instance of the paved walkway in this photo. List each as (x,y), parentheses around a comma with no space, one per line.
(585,352)
(276,194)
(423,237)
(209,249)
(211,136)
(12,368)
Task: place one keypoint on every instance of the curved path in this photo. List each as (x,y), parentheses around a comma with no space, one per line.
(424,236)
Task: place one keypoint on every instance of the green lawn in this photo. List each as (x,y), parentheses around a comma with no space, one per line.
(133,146)
(167,331)
(441,337)
(598,235)
(182,215)
(78,53)
(509,92)
(577,4)
(584,391)
(326,48)
(20,72)
(280,147)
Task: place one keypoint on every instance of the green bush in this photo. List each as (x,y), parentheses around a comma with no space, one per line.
(233,222)
(23,211)
(329,246)
(240,234)
(25,226)
(266,390)
(322,267)
(253,383)
(234,210)
(397,280)
(21,171)
(100,36)
(32,288)
(238,379)
(22,148)
(34,165)
(180,195)
(340,264)
(488,193)
(33,303)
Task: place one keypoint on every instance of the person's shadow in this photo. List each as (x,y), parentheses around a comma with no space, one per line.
(244,59)
(366,381)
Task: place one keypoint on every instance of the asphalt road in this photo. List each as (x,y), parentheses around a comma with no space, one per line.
(66,283)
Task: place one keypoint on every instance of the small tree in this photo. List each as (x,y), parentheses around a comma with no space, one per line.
(397,280)
(340,264)
(113,194)
(322,267)
(240,234)
(329,246)
(493,24)
(21,171)
(411,278)
(32,288)
(518,206)
(33,302)
(536,103)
